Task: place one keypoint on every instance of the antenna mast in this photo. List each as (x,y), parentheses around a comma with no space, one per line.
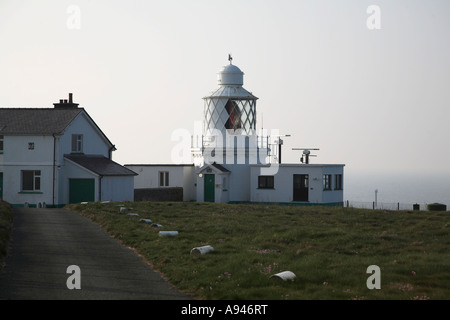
(306,154)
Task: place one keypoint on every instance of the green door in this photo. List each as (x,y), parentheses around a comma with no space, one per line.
(1,185)
(81,190)
(209,188)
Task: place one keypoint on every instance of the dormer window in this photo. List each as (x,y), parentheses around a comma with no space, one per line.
(77,143)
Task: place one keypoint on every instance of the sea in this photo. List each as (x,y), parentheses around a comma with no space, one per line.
(396,190)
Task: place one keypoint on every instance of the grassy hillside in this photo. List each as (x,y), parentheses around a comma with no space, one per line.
(328,249)
(6,219)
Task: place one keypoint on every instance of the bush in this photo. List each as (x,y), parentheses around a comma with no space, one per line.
(6,219)
(436,207)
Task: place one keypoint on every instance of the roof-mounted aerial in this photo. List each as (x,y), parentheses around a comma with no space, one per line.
(306,154)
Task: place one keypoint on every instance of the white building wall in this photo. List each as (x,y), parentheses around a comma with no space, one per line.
(189,186)
(333,195)
(17,152)
(179,176)
(93,141)
(199,191)
(118,188)
(239,183)
(18,156)
(12,185)
(283,190)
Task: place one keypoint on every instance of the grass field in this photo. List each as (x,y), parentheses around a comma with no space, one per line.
(328,249)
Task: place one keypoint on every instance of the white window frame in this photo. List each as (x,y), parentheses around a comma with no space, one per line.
(36,180)
(163,178)
(327,182)
(338,182)
(77,143)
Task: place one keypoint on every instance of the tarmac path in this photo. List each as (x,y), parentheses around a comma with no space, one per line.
(45,242)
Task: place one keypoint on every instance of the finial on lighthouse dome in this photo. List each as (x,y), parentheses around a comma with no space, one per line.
(230,75)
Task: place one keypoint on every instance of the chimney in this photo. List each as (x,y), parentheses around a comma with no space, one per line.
(66,104)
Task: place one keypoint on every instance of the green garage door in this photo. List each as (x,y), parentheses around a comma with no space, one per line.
(81,190)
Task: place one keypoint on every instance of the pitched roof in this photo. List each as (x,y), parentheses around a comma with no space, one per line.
(100,165)
(213,166)
(220,167)
(36,120)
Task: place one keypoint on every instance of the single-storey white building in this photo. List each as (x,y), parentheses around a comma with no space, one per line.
(55,156)
(298,183)
(151,176)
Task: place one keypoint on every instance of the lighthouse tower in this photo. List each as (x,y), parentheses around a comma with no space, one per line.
(229,124)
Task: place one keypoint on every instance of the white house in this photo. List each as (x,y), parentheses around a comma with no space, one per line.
(234,164)
(55,156)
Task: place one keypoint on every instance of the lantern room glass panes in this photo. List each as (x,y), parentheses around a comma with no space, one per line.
(231,114)
(234,115)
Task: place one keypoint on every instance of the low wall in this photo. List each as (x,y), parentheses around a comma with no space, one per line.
(159,194)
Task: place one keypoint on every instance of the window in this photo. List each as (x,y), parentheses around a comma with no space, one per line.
(1,144)
(234,115)
(327,182)
(77,143)
(266,182)
(30,145)
(31,180)
(163,178)
(338,182)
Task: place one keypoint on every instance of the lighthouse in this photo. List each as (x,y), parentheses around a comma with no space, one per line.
(232,163)
(228,144)
(229,134)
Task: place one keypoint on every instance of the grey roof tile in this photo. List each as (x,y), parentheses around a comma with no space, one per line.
(100,165)
(220,167)
(36,120)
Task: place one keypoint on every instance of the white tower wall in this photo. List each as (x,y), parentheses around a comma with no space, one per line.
(229,113)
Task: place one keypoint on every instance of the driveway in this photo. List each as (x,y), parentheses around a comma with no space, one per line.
(46,242)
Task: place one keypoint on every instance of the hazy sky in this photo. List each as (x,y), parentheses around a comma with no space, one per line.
(377,100)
